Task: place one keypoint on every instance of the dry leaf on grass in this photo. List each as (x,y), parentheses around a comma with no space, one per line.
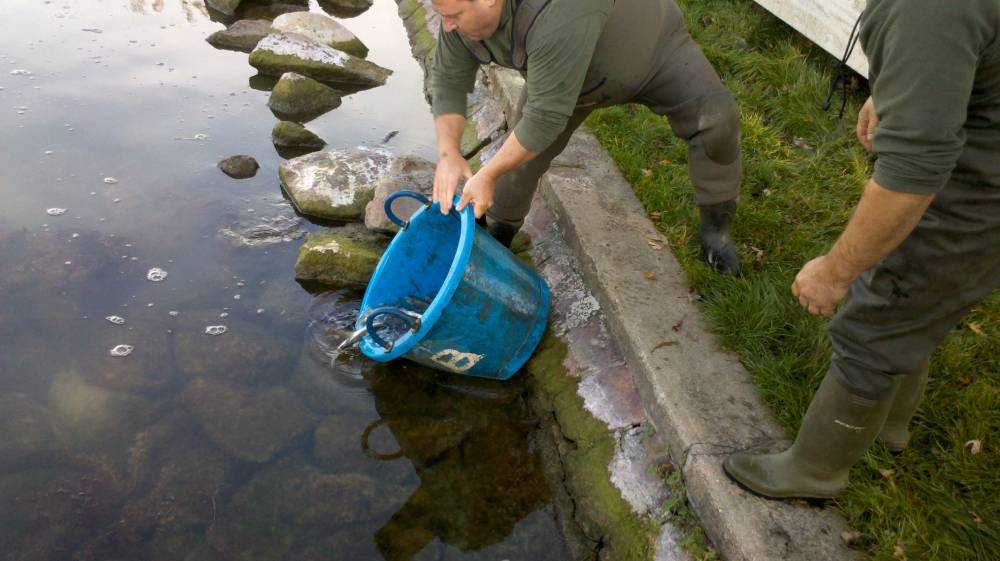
(974,446)
(887,473)
(899,551)
(650,275)
(655,244)
(975,328)
(975,517)
(850,538)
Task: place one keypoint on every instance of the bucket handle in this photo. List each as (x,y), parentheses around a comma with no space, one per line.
(397,195)
(412,195)
(412,318)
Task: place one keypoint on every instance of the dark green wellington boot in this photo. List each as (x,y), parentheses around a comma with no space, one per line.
(836,431)
(716,237)
(896,430)
(501,232)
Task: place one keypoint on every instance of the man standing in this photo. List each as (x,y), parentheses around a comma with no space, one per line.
(576,56)
(922,248)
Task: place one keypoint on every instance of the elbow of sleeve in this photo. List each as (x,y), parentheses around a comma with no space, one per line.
(537,130)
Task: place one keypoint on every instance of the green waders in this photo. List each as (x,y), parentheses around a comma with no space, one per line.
(894,317)
(645,55)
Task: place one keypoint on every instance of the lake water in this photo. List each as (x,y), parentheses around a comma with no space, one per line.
(251,443)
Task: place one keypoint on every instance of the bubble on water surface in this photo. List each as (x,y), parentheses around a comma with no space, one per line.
(21,72)
(122,350)
(216,329)
(173,313)
(110,180)
(156,274)
(117,320)
(55,211)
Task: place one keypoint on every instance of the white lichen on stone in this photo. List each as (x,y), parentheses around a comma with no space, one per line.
(303,48)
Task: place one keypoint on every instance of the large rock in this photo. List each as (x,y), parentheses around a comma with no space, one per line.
(337,184)
(345,8)
(227,7)
(241,36)
(272,9)
(287,134)
(321,29)
(342,257)
(290,52)
(251,424)
(407,173)
(292,510)
(486,120)
(300,98)
(26,430)
(244,353)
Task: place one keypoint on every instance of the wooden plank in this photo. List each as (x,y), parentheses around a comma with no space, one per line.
(827,23)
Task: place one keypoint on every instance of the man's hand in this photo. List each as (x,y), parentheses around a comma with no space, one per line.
(450,168)
(479,192)
(819,287)
(867,121)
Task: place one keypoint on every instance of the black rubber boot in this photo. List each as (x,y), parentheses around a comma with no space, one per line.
(716,237)
(501,232)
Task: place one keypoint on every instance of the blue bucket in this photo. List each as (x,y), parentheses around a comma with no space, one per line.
(487,310)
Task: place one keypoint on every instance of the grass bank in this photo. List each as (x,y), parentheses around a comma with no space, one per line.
(803,173)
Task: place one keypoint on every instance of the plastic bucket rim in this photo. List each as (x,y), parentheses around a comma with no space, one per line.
(408,340)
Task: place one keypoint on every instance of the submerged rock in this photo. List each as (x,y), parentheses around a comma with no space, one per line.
(245,353)
(26,430)
(321,29)
(407,173)
(340,257)
(239,167)
(241,36)
(292,510)
(290,52)
(287,134)
(252,424)
(227,7)
(337,184)
(299,98)
(345,8)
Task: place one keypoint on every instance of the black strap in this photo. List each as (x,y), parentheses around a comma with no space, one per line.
(842,70)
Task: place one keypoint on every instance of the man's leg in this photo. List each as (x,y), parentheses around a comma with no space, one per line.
(512,199)
(894,317)
(701,110)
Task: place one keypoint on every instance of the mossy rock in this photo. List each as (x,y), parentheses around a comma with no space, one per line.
(290,52)
(342,257)
(287,134)
(321,29)
(227,7)
(300,98)
(335,185)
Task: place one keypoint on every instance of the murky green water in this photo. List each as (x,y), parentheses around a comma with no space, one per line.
(245,445)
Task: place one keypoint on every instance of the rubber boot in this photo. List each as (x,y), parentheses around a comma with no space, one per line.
(837,430)
(716,237)
(896,430)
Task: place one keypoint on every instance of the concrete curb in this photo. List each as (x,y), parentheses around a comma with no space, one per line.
(700,398)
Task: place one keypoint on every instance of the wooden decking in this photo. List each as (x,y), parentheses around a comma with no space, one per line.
(827,23)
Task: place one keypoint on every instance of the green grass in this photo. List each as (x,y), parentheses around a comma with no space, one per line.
(803,175)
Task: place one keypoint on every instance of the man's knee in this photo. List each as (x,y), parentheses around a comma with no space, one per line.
(718,130)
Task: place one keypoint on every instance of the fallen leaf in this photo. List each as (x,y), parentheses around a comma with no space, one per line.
(976,518)
(655,244)
(677,326)
(975,328)
(655,215)
(850,538)
(767,192)
(974,446)
(758,252)
(899,551)
(650,275)
(664,162)
(965,380)
(887,473)
(647,172)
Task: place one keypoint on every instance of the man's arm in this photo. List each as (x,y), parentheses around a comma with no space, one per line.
(882,220)
(479,191)
(451,166)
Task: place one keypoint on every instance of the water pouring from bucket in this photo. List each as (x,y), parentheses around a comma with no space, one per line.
(446,295)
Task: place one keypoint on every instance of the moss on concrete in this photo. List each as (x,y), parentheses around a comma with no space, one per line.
(601,518)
